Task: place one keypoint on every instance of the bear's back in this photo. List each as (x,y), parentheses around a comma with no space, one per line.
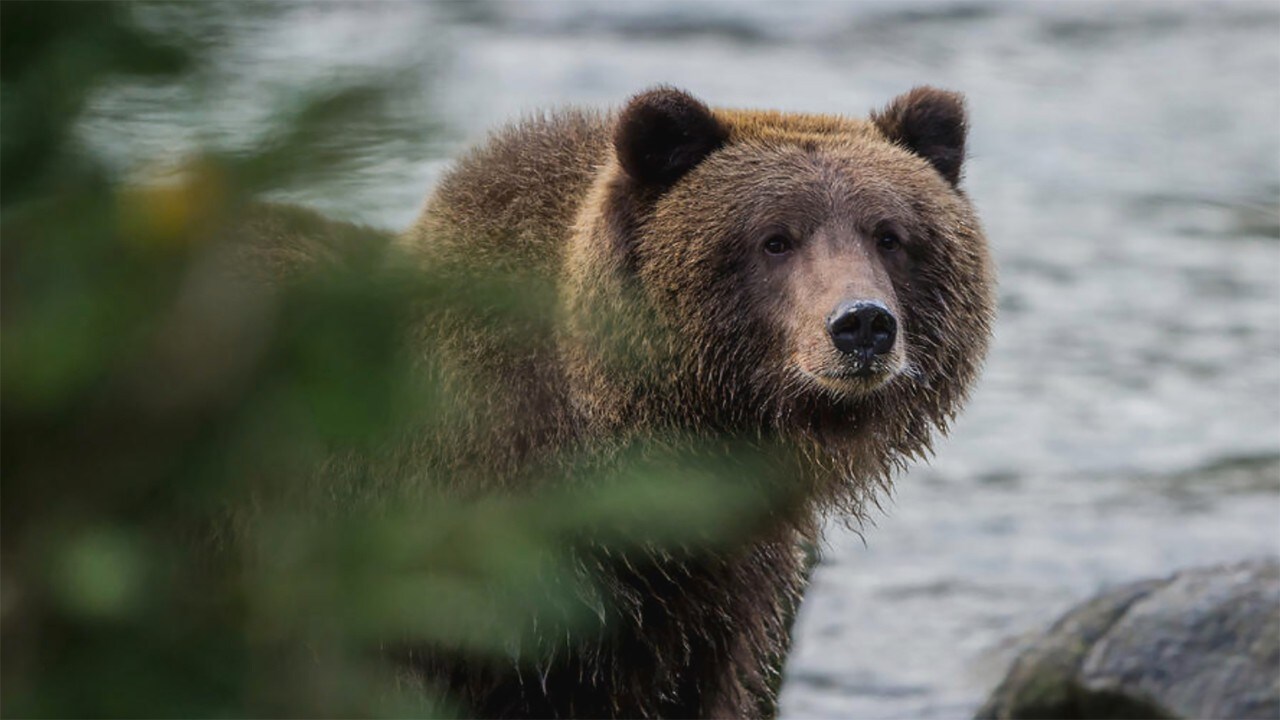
(511,202)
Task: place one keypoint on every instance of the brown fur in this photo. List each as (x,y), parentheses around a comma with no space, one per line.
(667,319)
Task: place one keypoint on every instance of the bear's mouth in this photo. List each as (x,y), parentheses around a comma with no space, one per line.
(847,375)
(852,378)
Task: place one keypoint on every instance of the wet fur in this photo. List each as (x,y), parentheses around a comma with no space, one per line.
(657,332)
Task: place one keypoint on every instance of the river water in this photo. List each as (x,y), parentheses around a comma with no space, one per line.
(1126,160)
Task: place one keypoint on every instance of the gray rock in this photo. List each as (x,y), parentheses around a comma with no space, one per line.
(1204,643)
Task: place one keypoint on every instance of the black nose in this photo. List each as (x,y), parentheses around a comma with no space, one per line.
(862,328)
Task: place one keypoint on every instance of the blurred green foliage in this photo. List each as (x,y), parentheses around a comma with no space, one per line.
(175,540)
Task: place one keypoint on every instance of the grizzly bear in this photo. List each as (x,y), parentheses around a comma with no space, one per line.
(814,283)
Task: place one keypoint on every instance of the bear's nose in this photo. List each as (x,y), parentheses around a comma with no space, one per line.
(863,327)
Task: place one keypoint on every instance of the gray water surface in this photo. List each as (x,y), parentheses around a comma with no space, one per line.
(1126,160)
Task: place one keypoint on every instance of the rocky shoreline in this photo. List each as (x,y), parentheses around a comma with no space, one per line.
(1202,643)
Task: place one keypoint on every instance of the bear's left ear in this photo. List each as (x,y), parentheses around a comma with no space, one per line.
(663,133)
(930,123)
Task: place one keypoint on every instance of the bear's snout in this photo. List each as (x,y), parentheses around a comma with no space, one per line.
(862,329)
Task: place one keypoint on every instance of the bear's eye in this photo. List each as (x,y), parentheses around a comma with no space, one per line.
(888,242)
(777,245)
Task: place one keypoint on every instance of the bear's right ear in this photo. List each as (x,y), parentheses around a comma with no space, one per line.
(663,133)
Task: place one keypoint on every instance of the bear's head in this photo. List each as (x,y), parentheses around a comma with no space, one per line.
(798,273)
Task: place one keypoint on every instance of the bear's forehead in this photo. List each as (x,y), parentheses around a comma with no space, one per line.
(823,159)
(799,128)
(815,148)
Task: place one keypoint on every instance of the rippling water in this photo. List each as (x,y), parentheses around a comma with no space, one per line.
(1126,159)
